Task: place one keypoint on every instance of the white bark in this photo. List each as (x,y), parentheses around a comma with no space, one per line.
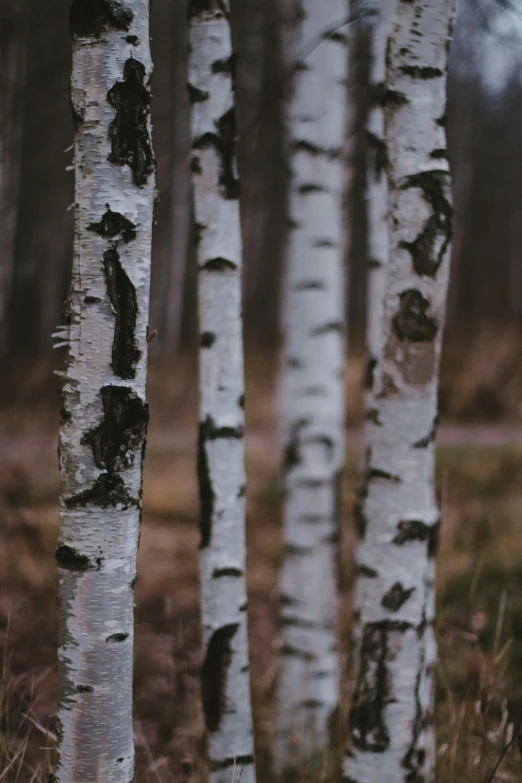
(104,415)
(313,389)
(391,721)
(225,680)
(378,17)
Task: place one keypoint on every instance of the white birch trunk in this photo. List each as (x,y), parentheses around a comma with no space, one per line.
(313,389)
(378,17)
(221,473)
(391,720)
(104,414)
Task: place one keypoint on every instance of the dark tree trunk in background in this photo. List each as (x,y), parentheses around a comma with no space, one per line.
(13,59)
(180,217)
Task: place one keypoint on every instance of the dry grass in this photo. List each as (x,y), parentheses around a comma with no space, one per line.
(479,697)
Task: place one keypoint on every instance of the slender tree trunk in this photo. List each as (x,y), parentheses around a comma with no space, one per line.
(13,54)
(391,720)
(180,191)
(312,388)
(104,414)
(225,678)
(376,177)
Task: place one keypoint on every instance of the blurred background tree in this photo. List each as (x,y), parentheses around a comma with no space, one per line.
(485,102)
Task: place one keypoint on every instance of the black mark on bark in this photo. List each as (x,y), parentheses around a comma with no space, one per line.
(331,326)
(429,248)
(292,652)
(313,149)
(122,295)
(393,98)
(195,165)
(206,491)
(396,596)
(107,491)
(369,573)
(380,152)
(430,437)
(196,7)
(421,72)
(121,432)
(132,39)
(307,189)
(217,573)
(310,285)
(92,18)
(214,675)
(117,637)
(412,321)
(196,95)
(367,726)
(212,432)
(228,66)
(224,142)
(71,560)
(207,339)
(414,758)
(416,530)
(361,522)
(369,379)
(219,265)
(84,689)
(377,473)
(292,454)
(372,414)
(113,224)
(129,132)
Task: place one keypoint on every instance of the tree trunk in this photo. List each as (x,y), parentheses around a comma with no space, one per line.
(225,677)
(180,189)
(13,54)
(391,720)
(104,414)
(376,178)
(312,387)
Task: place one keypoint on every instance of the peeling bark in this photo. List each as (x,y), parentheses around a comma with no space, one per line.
(391,720)
(221,473)
(104,412)
(312,388)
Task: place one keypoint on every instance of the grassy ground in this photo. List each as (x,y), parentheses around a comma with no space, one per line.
(479,696)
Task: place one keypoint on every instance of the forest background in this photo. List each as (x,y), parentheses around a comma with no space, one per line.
(480,458)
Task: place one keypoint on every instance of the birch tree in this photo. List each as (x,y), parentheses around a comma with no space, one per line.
(225,676)
(312,385)
(104,414)
(391,719)
(378,18)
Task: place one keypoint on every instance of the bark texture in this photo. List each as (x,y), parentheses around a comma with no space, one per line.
(104,414)
(225,677)
(377,17)
(391,720)
(312,385)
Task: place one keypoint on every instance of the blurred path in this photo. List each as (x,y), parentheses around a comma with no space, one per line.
(453,435)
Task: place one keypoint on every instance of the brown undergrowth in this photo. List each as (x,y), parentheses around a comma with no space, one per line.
(479,691)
